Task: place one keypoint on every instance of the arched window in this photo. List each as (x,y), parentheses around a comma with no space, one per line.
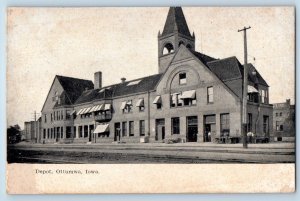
(181,42)
(189,46)
(168,49)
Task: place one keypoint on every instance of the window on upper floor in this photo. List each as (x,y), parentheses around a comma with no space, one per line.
(210,94)
(264,96)
(140,104)
(185,98)
(182,78)
(126,106)
(45,118)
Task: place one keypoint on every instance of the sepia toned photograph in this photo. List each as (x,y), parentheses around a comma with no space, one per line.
(151,85)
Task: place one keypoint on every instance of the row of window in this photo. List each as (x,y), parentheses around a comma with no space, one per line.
(129,131)
(58,115)
(57,132)
(278,114)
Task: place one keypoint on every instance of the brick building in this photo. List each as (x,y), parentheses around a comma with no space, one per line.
(194,98)
(284,121)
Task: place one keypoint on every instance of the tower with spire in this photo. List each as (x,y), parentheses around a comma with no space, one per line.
(174,34)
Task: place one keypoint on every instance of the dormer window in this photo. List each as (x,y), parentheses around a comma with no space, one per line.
(182,78)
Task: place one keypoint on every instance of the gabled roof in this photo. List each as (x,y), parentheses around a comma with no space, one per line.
(255,78)
(122,89)
(202,57)
(73,87)
(176,22)
(226,69)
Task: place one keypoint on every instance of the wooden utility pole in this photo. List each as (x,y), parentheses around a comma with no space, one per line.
(245,89)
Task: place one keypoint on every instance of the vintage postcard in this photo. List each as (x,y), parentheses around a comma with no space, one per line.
(150,100)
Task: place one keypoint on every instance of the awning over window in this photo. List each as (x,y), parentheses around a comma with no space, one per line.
(107,107)
(87,110)
(129,102)
(73,112)
(93,108)
(123,105)
(251,89)
(140,103)
(102,128)
(157,100)
(188,94)
(80,111)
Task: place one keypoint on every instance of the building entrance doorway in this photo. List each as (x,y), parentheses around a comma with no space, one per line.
(209,127)
(192,129)
(160,129)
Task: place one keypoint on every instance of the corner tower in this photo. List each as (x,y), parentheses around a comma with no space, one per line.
(175,33)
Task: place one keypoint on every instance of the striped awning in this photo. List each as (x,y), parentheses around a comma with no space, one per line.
(80,111)
(73,112)
(107,107)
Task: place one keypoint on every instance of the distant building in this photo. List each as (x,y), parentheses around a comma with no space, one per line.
(193,98)
(284,121)
(32,131)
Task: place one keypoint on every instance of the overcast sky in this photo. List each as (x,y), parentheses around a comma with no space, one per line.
(122,42)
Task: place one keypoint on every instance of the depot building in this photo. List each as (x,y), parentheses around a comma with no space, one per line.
(193,98)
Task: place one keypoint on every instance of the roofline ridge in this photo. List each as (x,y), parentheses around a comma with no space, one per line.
(223,59)
(73,77)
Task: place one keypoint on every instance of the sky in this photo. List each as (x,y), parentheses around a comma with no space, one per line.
(122,42)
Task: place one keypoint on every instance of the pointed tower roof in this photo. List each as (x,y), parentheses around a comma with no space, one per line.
(176,22)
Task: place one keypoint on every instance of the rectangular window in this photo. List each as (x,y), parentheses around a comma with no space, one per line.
(158,106)
(86,128)
(52,135)
(48,133)
(45,116)
(68,132)
(175,125)
(266,125)
(51,117)
(74,130)
(44,134)
(131,128)
(124,128)
(182,78)
(80,131)
(62,132)
(58,132)
(68,114)
(279,126)
(62,114)
(142,128)
(249,122)
(210,94)
(128,107)
(225,124)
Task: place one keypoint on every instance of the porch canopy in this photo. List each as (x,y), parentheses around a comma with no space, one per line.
(188,94)
(101,128)
(107,107)
(251,89)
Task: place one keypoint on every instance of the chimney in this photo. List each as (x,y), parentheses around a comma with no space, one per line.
(98,80)
(123,79)
(288,102)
